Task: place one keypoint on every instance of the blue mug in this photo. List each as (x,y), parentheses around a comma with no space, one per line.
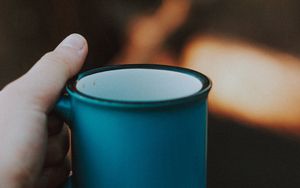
(137,126)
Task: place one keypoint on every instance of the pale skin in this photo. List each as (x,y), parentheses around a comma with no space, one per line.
(34,142)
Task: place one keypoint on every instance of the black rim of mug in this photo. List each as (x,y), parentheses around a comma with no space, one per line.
(199,95)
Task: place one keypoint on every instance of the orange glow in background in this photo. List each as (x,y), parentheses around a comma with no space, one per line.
(252,84)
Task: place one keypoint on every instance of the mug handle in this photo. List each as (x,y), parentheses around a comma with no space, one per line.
(63,108)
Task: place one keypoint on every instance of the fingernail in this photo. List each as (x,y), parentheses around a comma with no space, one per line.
(74,41)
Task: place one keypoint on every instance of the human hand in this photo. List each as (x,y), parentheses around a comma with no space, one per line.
(33,141)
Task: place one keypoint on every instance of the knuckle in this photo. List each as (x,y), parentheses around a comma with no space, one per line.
(58,148)
(58,58)
(61,154)
(55,125)
(63,147)
(65,138)
(54,176)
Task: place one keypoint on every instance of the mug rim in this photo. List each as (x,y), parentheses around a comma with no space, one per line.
(201,94)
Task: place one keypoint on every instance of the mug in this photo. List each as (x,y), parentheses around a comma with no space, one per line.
(137,126)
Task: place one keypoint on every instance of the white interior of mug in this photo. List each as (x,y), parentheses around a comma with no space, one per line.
(139,85)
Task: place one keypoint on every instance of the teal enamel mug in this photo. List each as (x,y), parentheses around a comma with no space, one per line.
(137,126)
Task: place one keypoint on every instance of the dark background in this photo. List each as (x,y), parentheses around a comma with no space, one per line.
(238,156)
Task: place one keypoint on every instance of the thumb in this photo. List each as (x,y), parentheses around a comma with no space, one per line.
(41,85)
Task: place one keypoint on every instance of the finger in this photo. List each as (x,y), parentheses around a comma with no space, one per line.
(55,124)
(58,146)
(41,85)
(54,177)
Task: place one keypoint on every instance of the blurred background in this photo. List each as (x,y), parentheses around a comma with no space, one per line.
(240,153)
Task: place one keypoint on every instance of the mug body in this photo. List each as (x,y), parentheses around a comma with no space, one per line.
(139,144)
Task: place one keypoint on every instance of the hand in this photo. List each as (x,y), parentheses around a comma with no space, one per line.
(33,141)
